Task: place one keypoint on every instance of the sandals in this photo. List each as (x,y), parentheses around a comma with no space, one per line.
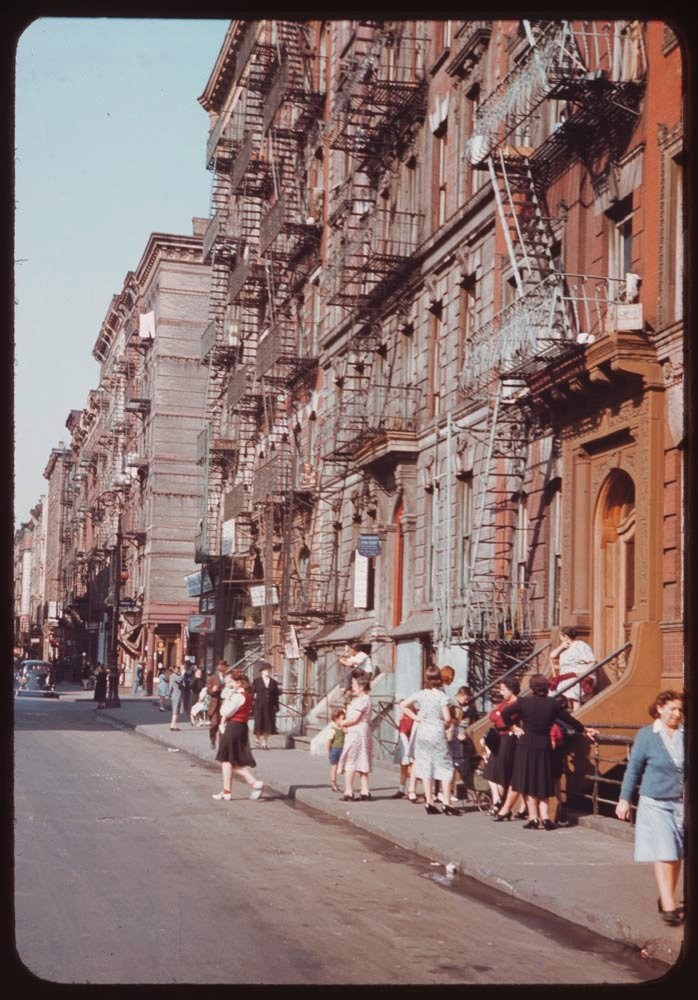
(412,797)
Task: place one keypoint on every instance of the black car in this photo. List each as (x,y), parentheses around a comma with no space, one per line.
(36,673)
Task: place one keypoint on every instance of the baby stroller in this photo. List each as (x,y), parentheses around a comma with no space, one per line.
(474,789)
(198,716)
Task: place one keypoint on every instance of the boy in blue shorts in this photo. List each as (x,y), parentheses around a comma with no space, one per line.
(335,746)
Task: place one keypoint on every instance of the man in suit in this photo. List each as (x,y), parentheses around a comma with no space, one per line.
(265,691)
(215,685)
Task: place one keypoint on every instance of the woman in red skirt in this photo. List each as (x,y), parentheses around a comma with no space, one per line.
(234,748)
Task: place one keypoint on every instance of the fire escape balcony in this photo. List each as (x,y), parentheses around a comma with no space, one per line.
(273,481)
(498,610)
(555,319)
(314,596)
(250,175)
(242,395)
(136,460)
(248,283)
(277,350)
(137,400)
(590,64)
(237,502)
(380,424)
(217,449)
(216,347)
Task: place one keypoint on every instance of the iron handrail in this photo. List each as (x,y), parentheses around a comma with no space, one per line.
(508,673)
(590,670)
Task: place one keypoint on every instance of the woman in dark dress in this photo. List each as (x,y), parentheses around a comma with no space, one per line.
(532,775)
(265,691)
(234,751)
(499,767)
(100,695)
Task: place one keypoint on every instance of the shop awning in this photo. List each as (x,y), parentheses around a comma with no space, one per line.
(129,648)
(418,623)
(349,630)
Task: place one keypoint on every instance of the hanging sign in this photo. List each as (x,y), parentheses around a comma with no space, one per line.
(193,583)
(202,623)
(369,545)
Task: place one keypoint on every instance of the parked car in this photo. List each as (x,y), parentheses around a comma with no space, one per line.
(35,672)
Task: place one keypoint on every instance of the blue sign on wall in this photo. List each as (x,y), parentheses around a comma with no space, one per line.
(369,545)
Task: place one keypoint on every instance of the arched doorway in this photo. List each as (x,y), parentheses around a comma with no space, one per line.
(614,563)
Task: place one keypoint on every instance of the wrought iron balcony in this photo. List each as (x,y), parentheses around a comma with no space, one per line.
(385,412)
(237,501)
(498,610)
(586,61)
(279,349)
(315,595)
(214,447)
(272,480)
(552,319)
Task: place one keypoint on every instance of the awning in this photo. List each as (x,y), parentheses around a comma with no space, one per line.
(127,647)
(418,623)
(132,636)
(350,630)
(313,637)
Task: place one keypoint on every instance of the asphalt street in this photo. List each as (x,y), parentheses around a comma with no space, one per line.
(126,871)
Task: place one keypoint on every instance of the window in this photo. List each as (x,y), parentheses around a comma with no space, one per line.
(673,242)
(554,554)
(620,238)
(478,175)
(428,546)
(408,366)
(467,321)
(465,527)
(520,561)
(435,367)
(440,177)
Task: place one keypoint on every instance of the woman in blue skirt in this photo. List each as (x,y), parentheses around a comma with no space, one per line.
(656,766)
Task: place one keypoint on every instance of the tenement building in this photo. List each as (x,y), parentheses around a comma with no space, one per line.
(444,411)
(127,492)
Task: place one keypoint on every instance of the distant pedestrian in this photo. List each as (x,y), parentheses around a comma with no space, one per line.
(570,659)
(265,692)
(100,693)
(176,696)
(138,678)
(186,680)
(214,686)
(335,745)
(656,768)
(198,682)
(357,755)
(234,751)
(163,688)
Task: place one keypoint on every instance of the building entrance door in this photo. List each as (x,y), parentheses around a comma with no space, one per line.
(614,555)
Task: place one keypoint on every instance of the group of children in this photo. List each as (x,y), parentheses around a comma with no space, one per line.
(460,744)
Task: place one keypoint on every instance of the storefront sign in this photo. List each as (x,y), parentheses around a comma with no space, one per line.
(258,598)
(202,623)
(369,545)
(193,583)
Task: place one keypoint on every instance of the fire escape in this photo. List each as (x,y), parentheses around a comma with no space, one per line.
(240,183)
(283,493)
(595,70)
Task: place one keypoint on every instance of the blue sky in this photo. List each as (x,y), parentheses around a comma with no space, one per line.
(109,146)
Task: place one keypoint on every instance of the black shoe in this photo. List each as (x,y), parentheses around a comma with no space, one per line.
(532,824)
(450,811)
(366,798)
(347,798)
(399,795)
(431,810)
(522,814)
(500,817)
(548,825)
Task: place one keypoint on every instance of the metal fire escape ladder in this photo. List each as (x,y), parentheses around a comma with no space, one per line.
(442,543)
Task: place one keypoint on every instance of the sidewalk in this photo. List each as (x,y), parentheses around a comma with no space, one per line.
(585,876)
